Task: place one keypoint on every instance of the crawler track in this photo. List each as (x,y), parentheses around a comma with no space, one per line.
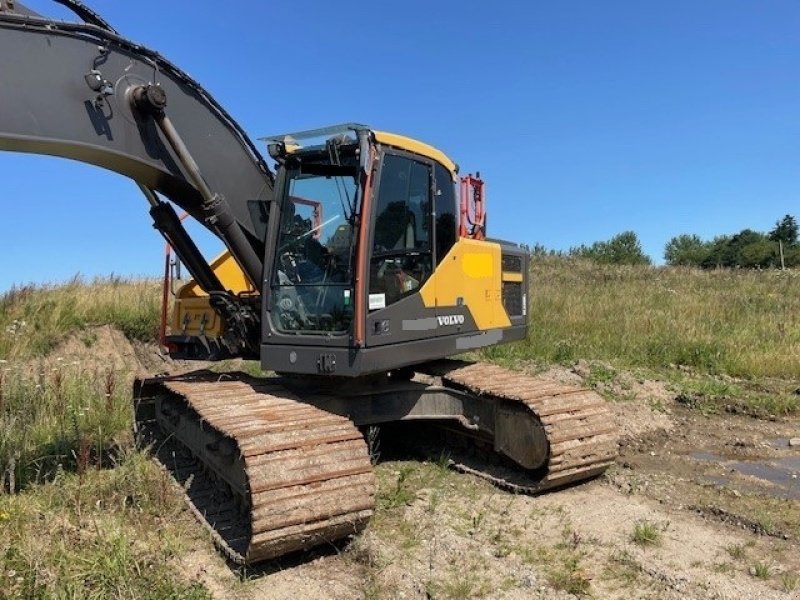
(580,431)
(266,473)
(269,474)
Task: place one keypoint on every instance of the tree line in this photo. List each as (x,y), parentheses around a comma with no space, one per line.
(747,249)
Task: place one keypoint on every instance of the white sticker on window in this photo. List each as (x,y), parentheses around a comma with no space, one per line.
(377,301)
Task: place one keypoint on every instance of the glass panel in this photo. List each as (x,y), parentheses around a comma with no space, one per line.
(446,215)
(401,259)
(312,290)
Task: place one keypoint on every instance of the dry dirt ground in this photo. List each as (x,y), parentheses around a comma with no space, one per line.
(696,507)
(717,494)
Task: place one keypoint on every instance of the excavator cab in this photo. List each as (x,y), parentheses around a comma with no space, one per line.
(388,281)
(373,262)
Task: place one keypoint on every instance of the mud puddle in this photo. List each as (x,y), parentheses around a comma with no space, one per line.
(782,473)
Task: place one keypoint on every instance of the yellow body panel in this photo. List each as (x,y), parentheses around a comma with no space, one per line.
(470,271)
(411,145)
(192,314)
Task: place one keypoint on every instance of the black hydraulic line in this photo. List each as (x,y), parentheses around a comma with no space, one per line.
(86,13)
(152,199)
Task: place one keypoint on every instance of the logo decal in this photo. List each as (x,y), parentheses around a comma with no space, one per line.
(450,320)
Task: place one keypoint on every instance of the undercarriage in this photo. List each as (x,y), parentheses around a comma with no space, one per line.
(276,465)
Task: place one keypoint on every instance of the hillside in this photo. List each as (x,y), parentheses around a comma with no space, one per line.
(700,367)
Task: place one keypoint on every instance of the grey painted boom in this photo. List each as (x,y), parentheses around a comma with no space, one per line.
(65,91)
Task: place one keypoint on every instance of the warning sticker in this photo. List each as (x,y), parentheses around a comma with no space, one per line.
(377,301)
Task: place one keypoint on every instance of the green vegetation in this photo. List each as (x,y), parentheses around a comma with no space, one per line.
(622,249)
(724,340)
(646,534)
(59,419)
(789,581)
(70,526)
(747,249)
(736,551)
(738,323)
(760,570)
(34,319)
(96,534)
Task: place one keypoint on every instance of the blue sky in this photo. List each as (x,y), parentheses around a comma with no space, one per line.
(585,118)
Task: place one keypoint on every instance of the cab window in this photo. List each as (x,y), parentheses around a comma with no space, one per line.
(401,248)
(445,211)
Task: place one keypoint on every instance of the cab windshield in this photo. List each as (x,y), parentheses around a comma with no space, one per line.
(313,280)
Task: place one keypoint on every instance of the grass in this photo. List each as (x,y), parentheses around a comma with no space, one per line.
(742,323)
(34,319)
(736,551)
(97,534)
(646,534)
(760,570)
(83,514)
(61,418)
(789,581)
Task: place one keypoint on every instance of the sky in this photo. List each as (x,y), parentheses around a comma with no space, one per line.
(584,118)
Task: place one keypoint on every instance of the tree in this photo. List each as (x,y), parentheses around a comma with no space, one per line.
(747,248)
(625,249)
(686,250)
(786,231)
(759,255)
(622,249)
(718,253)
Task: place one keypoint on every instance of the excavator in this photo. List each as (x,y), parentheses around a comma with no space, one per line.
(354,267)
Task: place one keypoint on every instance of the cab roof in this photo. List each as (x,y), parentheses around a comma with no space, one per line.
(411,145)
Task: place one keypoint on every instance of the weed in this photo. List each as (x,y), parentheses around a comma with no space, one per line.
(723,567)
(460,584)
(736,551)
(373,444)
(766,524)
(789,581)
(402,494)
(646,534)
(760,570)
(599,374)
(570,577)
(623,566)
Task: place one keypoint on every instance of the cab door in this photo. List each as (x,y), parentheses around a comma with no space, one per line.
(402,254)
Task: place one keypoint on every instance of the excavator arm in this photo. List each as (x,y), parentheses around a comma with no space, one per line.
(81,91)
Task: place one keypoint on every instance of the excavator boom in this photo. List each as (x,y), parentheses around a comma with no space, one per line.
(69,92)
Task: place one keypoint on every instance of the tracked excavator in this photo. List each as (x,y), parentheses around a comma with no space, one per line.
(353,269)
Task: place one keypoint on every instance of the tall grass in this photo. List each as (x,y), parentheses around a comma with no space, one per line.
(34,319)
(70,526)
(58,419)
(741,323)
(111,533)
